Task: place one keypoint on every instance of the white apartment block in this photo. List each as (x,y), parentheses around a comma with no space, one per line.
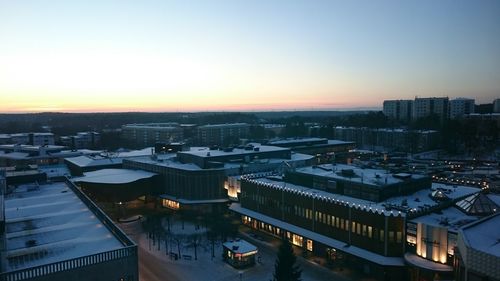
(460,107)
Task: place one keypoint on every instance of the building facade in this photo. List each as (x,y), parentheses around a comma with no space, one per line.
(149,134)
(221,134)
(460,107)
(36,139)
(424,107)
(389,139)
(398,109)
(355,217)
(82,140)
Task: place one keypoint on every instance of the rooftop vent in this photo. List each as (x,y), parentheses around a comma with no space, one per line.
(347,172)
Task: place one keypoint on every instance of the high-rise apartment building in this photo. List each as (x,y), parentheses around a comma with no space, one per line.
(423,107)
(398,109)
(222,134)
(151,133)
(496,106)
(460,107)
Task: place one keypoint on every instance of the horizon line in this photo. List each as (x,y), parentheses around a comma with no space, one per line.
(204,111)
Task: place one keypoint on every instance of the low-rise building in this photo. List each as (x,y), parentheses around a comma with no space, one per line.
(82,140)
(66,238)
(315,146)
(103,160)
(198,177)
(36,139)
(23,155)
(478,246)
(350,215)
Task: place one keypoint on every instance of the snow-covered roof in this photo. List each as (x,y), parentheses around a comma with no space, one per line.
(374,177)
(206,152)
(239,246)
(296,140)
(342,246)
(400,205)
(227,125)
(156,126)
(15,155)
(59,170)
(338,142)
(107,158)
(167,160)
(450,218)
(484,235)
(47,224)
(27,147)
(114,176)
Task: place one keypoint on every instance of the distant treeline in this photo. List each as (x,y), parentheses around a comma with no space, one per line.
(70,123)
(457,135)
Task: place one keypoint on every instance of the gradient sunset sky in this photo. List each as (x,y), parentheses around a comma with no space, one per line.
(244,55)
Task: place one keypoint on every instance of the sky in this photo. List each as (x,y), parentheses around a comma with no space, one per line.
(108,56)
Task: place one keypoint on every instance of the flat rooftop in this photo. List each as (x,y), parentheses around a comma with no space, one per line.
(207,152)
(374,177)
(240,246)
(27,147)
(451,218)
(297,140)
(170,160)
(418,201)
(107,158)
(114,176)
(225,125)
(49,223)
(484,235)
(167,125)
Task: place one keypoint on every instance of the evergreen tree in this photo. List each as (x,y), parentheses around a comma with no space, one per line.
(284,267)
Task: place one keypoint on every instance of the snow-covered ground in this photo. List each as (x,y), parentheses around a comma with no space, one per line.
(156,263)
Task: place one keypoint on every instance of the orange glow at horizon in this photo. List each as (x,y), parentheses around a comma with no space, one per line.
(85,81)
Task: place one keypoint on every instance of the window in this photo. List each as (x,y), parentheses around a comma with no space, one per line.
(382,238)
(358,228)
(365,230)
(399,237)
(391,236)
(309,245)
(369,232)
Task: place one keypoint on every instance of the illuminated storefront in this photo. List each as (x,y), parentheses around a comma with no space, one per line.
(239,253)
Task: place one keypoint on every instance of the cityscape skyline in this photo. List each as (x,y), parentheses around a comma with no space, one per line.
(241,56)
